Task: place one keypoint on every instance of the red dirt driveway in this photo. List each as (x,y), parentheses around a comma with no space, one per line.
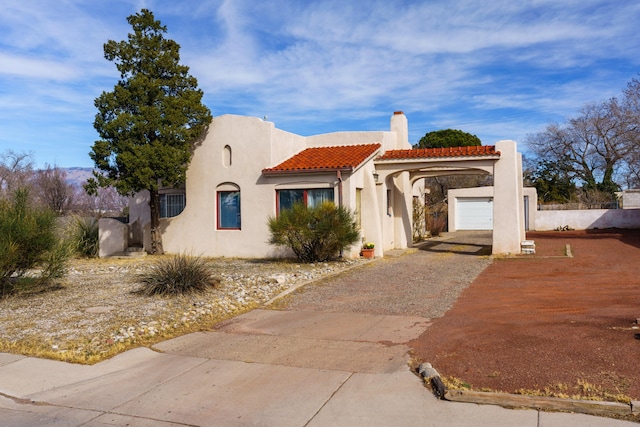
(547,320)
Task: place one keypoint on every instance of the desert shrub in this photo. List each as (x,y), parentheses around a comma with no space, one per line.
(314,234)
(31,253)
(436,223)
(84,235)
(419,219)
(177,275)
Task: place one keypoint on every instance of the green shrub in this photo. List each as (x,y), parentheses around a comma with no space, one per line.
(85,236)
(314,234)
(177,275)
(30,251)
(56,261)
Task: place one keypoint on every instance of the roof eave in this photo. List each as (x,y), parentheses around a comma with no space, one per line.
(268,172)
(443,158)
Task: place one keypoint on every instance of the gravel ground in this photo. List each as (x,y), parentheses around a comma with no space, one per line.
(395,286)
(96,312)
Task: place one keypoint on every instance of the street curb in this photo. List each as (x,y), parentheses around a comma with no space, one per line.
(544,403)
(507,400)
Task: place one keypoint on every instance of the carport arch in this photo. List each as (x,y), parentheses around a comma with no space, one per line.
(429,173)
(397,170)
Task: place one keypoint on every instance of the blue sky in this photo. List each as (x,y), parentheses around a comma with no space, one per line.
(498,69)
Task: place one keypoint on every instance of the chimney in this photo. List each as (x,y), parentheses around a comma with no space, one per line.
(400,126)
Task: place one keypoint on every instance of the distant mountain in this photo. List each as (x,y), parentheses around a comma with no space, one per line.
(78,176)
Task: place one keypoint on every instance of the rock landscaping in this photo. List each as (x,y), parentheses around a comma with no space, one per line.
(97,313)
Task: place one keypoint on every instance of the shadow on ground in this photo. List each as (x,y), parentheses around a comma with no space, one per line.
(463,243)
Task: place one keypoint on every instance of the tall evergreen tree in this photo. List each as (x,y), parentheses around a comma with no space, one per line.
(440,185)
(149,123)
(553,181)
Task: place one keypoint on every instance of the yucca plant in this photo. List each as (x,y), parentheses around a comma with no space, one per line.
(177,275)
(85,236)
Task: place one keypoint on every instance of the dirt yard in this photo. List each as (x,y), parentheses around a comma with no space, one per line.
(547,321)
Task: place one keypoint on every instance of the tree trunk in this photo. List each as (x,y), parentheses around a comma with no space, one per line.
(608,184)
(156,235)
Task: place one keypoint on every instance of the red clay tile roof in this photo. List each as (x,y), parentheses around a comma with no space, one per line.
(421,153)
(344,157)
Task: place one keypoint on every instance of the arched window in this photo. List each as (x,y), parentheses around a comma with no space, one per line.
(228,207)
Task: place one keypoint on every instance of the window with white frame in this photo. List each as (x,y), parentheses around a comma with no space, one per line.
(171,204)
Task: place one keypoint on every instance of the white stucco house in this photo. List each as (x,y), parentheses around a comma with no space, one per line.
(245,169)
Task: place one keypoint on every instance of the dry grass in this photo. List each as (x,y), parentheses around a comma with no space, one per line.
(90,350)
(97,312)
(581,390)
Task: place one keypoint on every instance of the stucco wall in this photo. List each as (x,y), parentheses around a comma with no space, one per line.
(250,139)
(232,155)
(588,219)
(256,145)
(550,220)
(631,199)
(112,237)
(482,192)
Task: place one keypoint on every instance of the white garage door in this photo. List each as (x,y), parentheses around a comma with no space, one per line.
(474,213)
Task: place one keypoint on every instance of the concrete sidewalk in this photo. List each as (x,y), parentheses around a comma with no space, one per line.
(267,368)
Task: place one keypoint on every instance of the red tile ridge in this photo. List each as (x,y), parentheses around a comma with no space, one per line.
(420,153)
(338,157)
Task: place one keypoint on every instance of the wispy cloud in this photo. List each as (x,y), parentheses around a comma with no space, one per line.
(499,69)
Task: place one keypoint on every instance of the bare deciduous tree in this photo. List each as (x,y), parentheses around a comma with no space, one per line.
(439,186)
(106,201)
(16,170)
(631,108)
(600,145)
(52,189)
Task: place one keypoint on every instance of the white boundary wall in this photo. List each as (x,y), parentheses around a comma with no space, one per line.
(587,219)
(113,236)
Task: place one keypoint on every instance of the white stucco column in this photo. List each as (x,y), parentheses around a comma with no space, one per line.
(385,194)
(371,213)
(521,225)
(508,213)
(402,211)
